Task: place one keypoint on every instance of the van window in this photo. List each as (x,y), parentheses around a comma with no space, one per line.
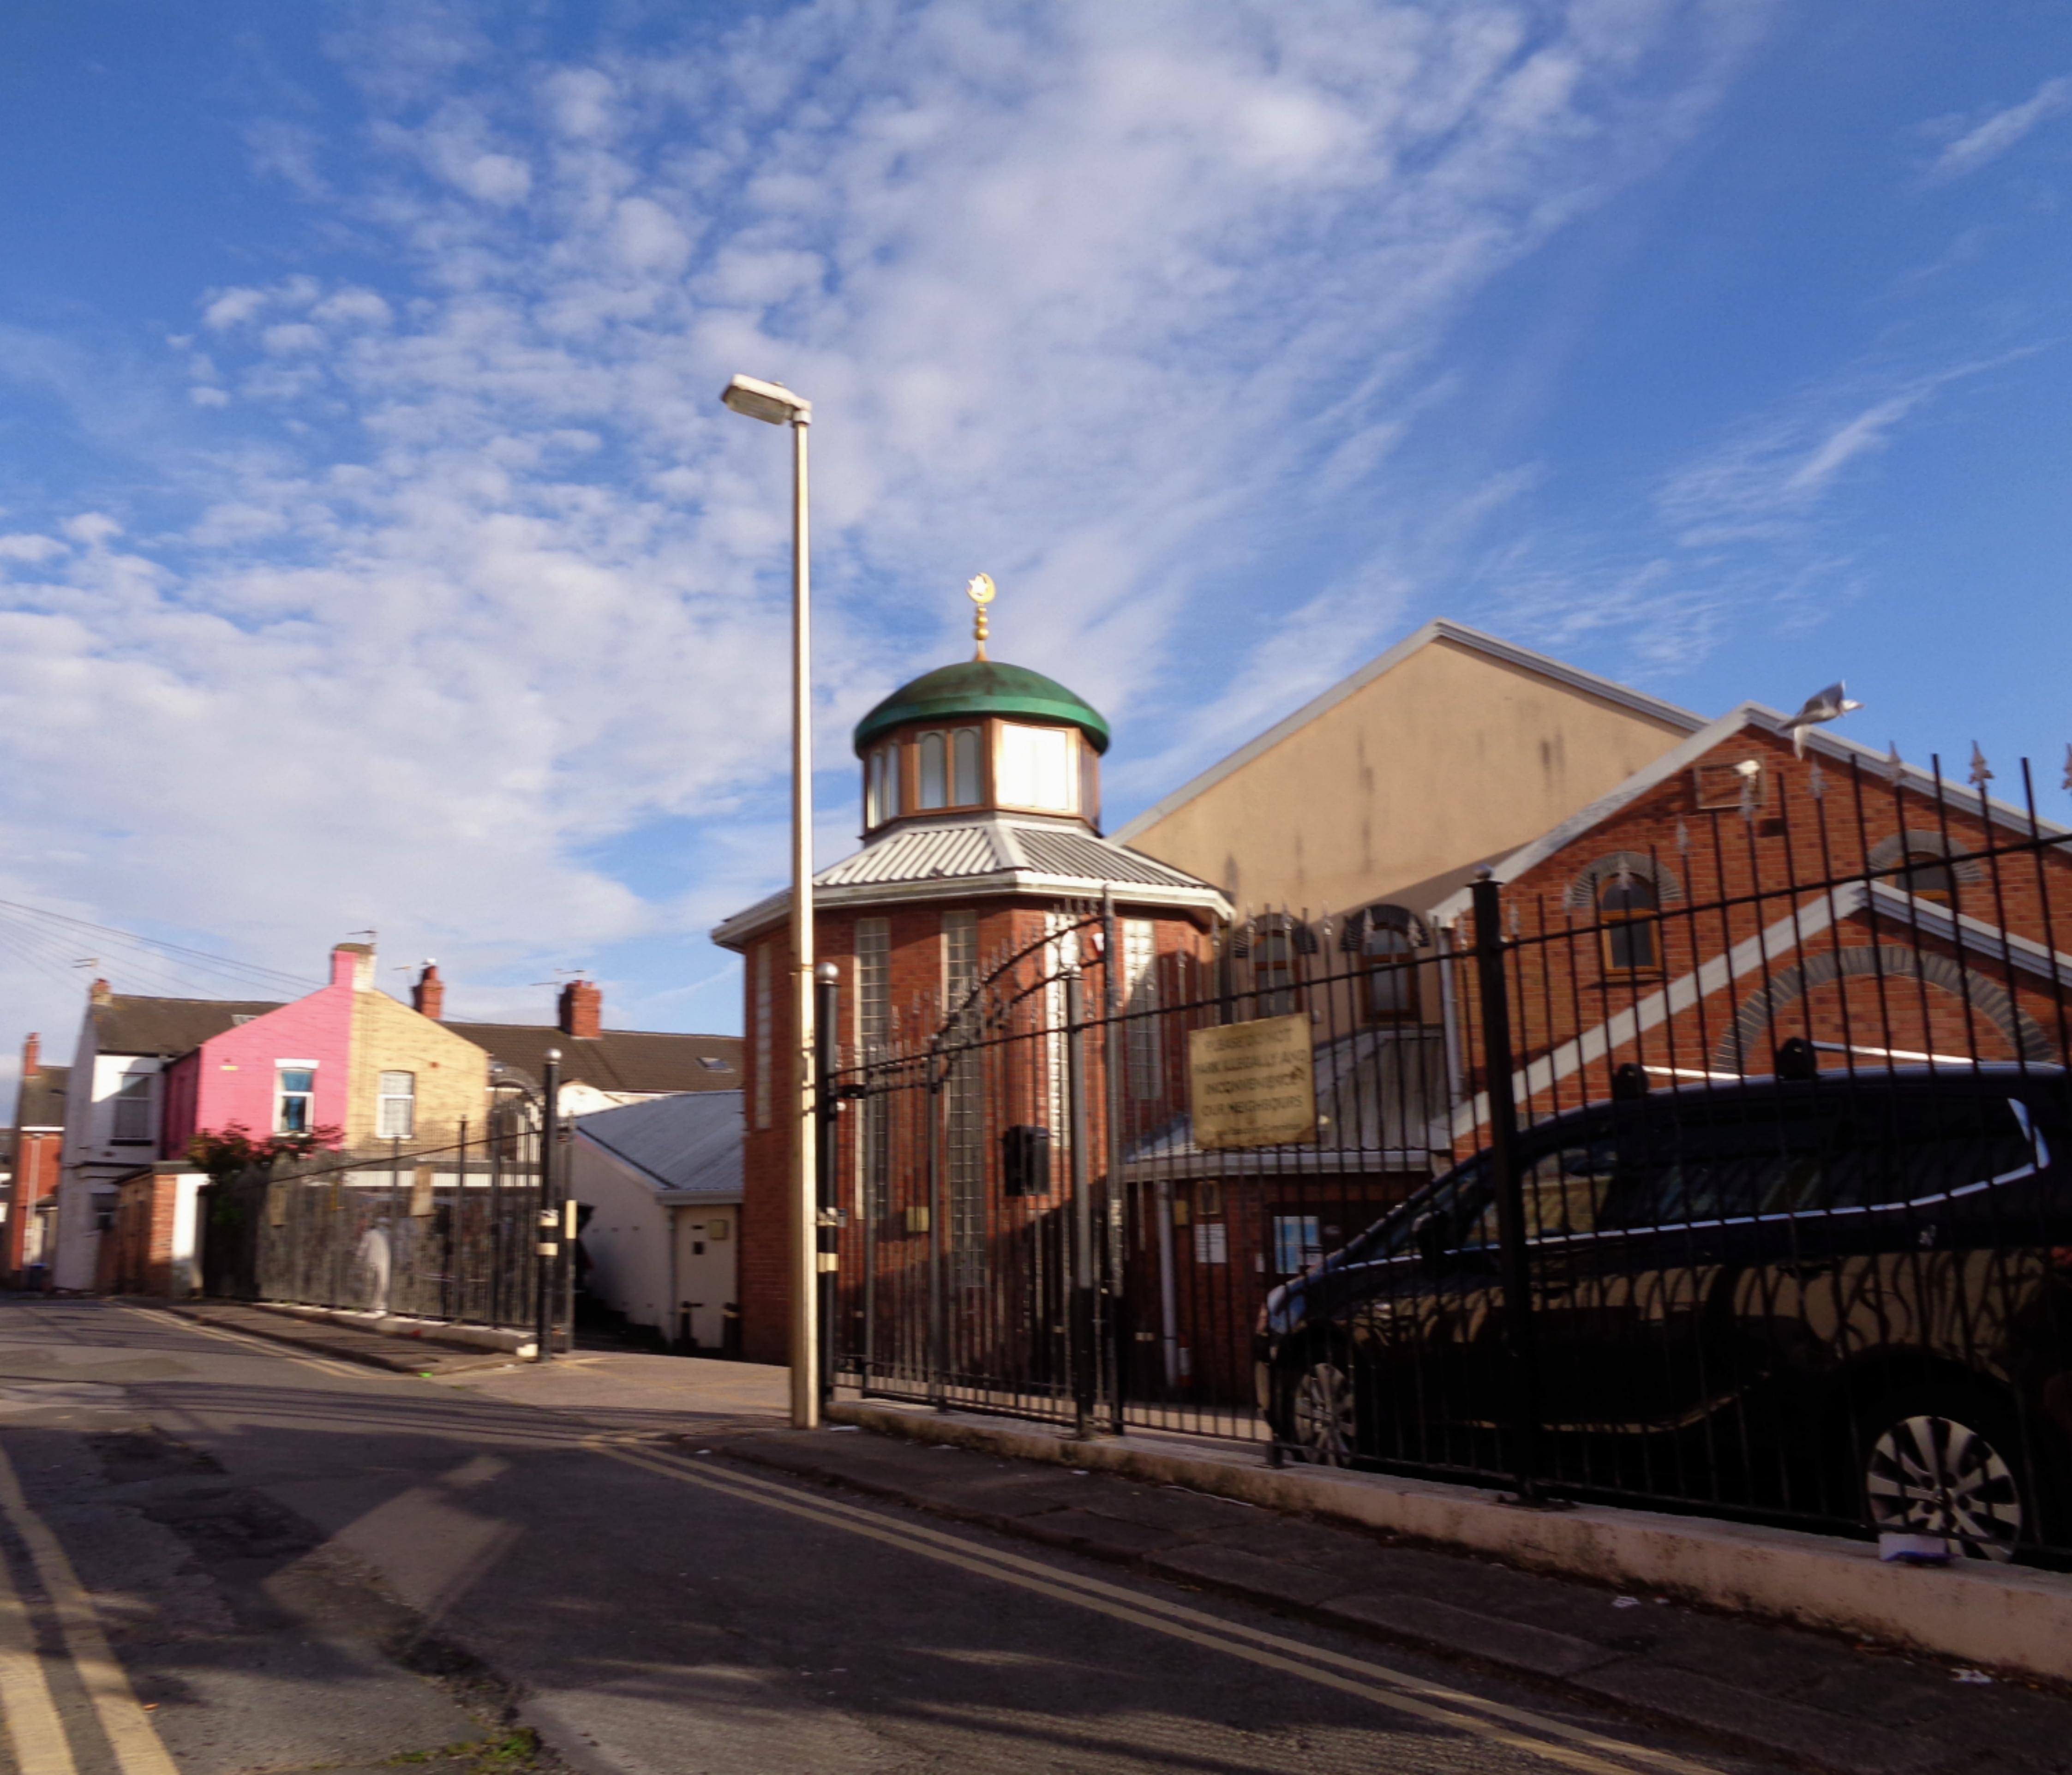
(1872,1147)
(1926,1146)
(1563,1192)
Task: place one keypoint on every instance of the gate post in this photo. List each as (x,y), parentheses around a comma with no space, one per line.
(827,1217)
(1083,1354)
(1115,1062)
(938,1354)
(1524,1402)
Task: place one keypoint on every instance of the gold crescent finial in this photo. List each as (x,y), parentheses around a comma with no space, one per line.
(981,591)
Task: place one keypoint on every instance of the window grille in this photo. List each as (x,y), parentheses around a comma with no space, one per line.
(763,1036)
(966,1110)
(1140,982)
(873,1020)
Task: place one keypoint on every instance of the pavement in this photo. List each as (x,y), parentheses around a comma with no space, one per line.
(301,1560)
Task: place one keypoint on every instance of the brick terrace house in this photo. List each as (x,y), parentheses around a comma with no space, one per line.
(1919,949)
(981,836)
(35,1146)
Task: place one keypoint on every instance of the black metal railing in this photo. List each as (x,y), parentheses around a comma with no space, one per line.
(446,1234)
(1723,1164)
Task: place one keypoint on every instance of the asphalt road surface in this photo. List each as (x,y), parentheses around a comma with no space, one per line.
(224,1556)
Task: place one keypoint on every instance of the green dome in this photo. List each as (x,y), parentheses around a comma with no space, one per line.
(980,687)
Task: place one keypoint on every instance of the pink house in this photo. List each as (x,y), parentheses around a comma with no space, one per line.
(286,1070)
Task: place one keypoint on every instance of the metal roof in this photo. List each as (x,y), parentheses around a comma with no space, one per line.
(690,1144)
(991,852)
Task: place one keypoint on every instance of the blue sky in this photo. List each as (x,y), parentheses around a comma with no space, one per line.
(373,553)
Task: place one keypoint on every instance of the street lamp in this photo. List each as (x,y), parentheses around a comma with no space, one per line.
(775,404)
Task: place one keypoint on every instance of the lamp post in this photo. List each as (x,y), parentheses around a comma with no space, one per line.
(775,404)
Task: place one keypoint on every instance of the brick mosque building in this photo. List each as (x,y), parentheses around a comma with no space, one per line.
(980,785)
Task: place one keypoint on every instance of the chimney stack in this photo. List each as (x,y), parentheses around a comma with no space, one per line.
(581,1009)
(353,965)
(98,993)
(32,1055)
(428,997)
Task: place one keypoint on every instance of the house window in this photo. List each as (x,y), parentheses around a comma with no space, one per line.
(133,1110)
(396,1113)
(965,1093)
(1388,949)
(964,786)
(935,772)
(1273,970)
(1627,913)
(873,1027)
(1140,986)
(881,786)
(1929,877)
(295,1102)
(1033,768)
(1296,1242)
(761,1017)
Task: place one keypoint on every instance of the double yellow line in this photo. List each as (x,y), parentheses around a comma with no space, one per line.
(1493,1722)
(33,1725)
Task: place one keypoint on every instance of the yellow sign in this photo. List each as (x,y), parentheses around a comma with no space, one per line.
(1252,1083)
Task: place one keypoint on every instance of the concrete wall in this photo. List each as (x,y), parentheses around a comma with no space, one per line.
(1450,757)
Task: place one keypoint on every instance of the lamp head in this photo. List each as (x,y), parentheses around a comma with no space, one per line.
(771,402)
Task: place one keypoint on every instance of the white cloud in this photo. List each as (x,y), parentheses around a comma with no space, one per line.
(350,307)
(1102,300)
(231,307)
(1989,140)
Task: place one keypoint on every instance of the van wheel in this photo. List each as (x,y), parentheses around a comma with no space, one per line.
(1320,1421)
(1947,1466)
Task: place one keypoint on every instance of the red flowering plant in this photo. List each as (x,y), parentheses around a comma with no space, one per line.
(226,1151)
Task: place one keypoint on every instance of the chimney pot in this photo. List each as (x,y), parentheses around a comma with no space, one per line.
(581,1009)
(428,997)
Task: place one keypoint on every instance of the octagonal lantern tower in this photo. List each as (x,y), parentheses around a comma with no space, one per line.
(980,791)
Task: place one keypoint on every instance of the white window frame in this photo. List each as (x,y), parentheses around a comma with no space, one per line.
(384,1097)
(282,1068)
(1020,771)
(144,1101)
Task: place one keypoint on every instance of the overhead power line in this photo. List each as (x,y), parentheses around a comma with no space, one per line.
(168,957)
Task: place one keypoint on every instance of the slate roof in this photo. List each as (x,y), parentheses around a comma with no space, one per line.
(40,1102)
(628,1060)
(994,852)
(131,1023)
(686,1145)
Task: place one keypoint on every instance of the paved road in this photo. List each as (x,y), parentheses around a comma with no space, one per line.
(234,1557)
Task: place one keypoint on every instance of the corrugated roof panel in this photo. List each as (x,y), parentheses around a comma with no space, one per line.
(1053,852)
(691,1142)
(921,854)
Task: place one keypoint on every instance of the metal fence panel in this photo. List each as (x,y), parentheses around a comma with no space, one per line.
(1777,1223)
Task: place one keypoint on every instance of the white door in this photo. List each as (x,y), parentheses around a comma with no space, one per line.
(706,1241)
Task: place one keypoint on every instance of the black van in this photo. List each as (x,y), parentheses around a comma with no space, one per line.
(1842,1298)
